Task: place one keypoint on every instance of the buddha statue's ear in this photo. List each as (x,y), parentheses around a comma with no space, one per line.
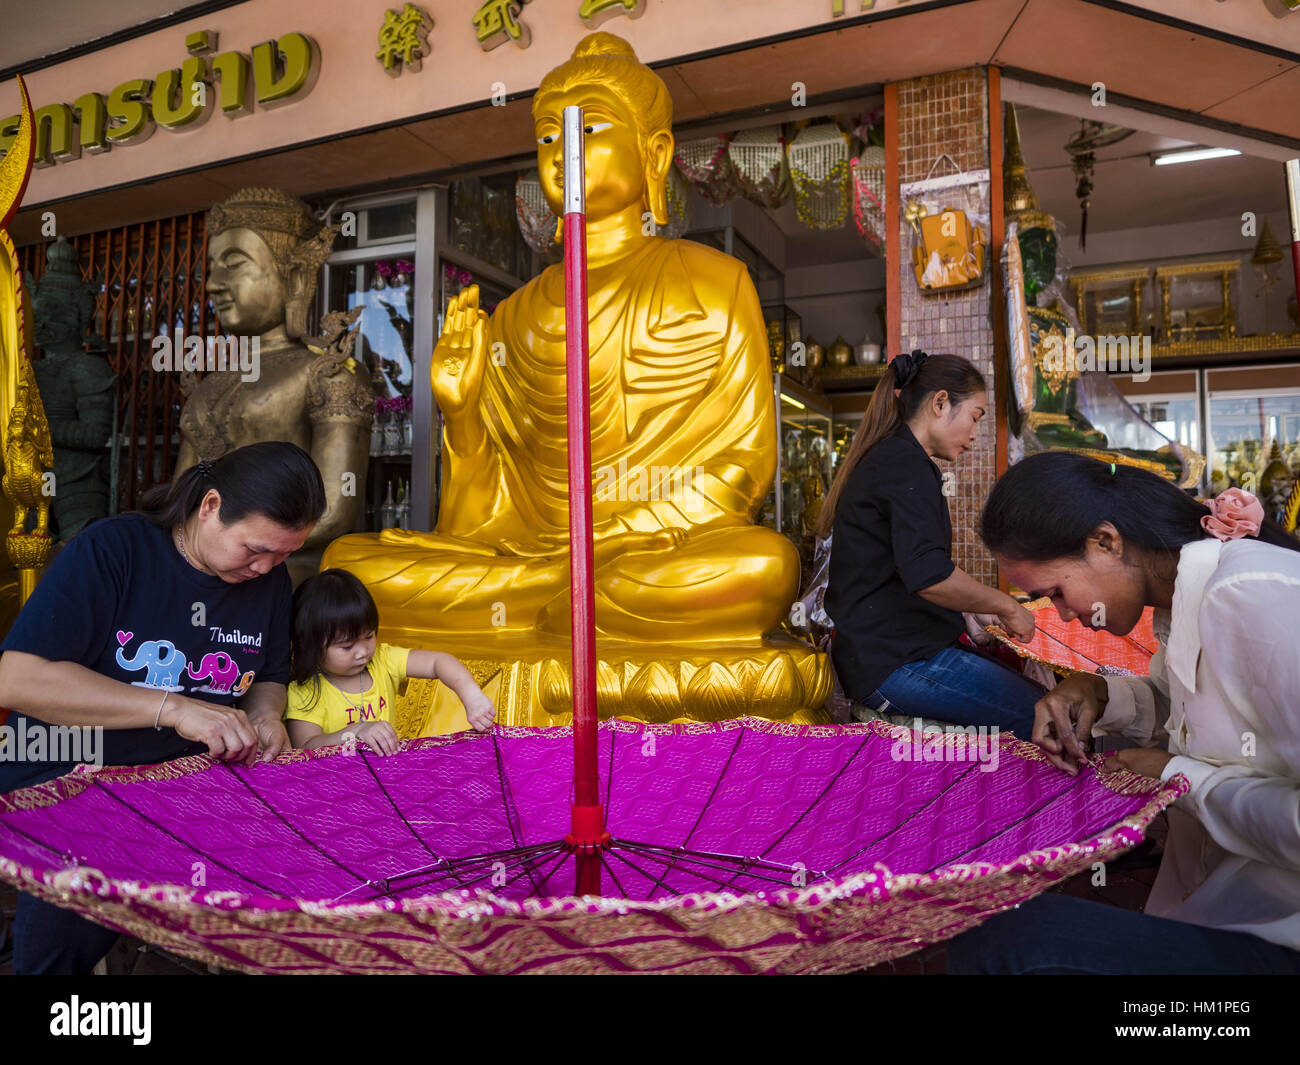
(300,278)
(658,160)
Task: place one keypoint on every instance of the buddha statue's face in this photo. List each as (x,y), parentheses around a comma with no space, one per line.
(1038,254)
(618,163)
(247,290)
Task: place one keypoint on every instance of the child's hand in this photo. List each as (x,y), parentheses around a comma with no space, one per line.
(480,712)
(380,735)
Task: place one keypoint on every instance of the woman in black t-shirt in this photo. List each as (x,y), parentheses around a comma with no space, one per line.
(894,593)
(142,636)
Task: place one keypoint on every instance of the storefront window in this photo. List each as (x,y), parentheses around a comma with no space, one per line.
(1243,429)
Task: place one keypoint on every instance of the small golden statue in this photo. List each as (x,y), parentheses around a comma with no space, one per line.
(265,249)
(683,440)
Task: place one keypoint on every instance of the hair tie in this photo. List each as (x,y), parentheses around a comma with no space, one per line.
(1233,514)
(205,469)
(906,367)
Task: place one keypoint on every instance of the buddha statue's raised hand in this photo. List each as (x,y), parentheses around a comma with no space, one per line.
(457,370)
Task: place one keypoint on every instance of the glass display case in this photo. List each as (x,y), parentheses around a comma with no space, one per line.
(804,463)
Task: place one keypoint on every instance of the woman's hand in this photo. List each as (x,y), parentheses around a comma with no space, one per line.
(1063,719)
(1017,620)
(225,729)
(479,711)
(272,738)
(458,358)
(1146,761)
(380,735)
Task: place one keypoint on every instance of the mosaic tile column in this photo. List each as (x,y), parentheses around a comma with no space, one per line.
(936,114)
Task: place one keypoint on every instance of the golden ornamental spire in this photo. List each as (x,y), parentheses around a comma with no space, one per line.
(1019,204)
(24,431)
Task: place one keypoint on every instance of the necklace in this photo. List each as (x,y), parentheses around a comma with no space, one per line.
(359,708)
(180,544)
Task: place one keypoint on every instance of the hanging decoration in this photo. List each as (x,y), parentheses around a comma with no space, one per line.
(761,168)
(679,205)
(536,219)
(1083,158)
(869,197)
(819,169)
(949,220)
(706,163)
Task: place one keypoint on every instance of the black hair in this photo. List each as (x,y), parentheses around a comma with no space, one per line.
(274,479)
(917,377)
(1047,505)
(331,607)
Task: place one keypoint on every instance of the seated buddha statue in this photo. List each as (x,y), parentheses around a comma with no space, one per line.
(265,249)
(683,443)
(1048,383)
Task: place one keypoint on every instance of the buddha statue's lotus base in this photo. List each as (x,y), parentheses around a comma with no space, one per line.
(529,681)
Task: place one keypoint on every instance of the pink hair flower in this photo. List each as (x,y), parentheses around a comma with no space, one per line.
(1233,514)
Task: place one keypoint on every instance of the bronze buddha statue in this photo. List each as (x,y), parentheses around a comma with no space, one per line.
(265,249)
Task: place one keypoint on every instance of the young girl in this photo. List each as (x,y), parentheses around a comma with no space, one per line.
(1219,707)
(894,593)
(343,685)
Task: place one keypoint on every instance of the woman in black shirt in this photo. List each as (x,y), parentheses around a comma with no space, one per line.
(894,593)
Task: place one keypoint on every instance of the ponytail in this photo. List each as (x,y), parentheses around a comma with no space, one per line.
(915,378)
(1047,506)
(275,480)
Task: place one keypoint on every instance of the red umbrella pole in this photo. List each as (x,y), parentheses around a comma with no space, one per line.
(1293,202)
(588,835)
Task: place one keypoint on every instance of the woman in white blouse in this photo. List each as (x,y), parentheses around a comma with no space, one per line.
(1221,706)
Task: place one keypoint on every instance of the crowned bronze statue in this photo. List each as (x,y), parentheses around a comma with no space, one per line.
(683,440)
(77,389)
(265,249)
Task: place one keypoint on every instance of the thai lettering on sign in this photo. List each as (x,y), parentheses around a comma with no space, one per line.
(174,99)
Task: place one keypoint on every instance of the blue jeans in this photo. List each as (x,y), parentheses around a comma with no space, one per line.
(1061,934)
(963,688)
(51,940)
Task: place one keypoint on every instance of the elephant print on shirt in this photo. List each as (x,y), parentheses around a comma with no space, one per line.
(220,670)
(164,661)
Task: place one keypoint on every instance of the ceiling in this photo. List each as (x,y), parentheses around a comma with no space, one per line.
(32,31)
(1130,193)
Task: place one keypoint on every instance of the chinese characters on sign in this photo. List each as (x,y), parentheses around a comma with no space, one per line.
(403,39)
(497,21)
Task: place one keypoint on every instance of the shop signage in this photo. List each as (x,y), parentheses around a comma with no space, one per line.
(176,99)
(404,39)
(497,21)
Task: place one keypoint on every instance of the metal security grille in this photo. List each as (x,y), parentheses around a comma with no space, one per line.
(151,279)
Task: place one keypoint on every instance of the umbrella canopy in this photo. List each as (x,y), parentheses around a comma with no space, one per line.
(742,846)
(1074,647)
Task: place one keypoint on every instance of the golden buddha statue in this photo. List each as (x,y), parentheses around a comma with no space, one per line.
(265,249)
(683,442)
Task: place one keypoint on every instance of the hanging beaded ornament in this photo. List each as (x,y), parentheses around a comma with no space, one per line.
(819,168)
(761,169)
(707,165)
(536,219)
(679,205)
(869,197)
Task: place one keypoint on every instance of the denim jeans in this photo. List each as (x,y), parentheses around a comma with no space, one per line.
(963,688)
(51,940)
(1055,934)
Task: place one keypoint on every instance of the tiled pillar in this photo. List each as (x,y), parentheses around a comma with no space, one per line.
(936,114)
